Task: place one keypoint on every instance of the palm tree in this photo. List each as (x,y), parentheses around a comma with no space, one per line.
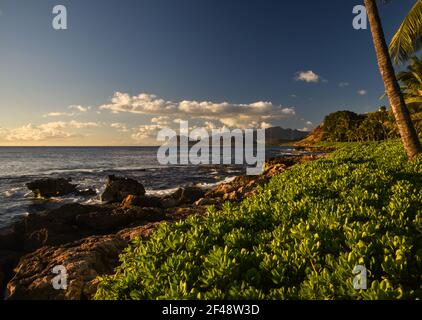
(408,38)
(411,85)
(407,131)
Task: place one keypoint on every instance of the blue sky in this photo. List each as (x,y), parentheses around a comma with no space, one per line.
(204,52)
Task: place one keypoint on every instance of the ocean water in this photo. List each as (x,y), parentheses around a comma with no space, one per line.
(89,167)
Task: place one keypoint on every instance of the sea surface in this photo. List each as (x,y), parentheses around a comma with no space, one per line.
(89,167)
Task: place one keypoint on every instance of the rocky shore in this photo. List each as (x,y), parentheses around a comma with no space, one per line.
(87,239)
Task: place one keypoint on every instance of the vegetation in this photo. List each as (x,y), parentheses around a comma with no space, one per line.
(347,126)
(407,39)
(300,237)
(404,123)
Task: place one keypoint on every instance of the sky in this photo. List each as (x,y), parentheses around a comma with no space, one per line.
(124,69)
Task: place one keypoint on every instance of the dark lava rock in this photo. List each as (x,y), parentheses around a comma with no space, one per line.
(119,188)
(47,188)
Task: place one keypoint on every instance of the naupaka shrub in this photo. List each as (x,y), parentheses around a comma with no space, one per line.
(300,237)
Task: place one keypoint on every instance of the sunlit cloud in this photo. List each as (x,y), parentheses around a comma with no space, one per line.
(59,114)
(308,76)
(45,131)
(228,114)
(121,127)
(79,108)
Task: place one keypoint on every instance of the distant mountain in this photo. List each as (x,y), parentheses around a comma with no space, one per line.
(279,134)
(273,135)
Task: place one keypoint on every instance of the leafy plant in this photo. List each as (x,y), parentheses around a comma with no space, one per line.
(300,237)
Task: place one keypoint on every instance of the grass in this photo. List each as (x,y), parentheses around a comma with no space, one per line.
(300,237)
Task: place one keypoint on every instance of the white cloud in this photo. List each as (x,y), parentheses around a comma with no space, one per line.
(146,132)
(343,84)
(79,108)
(58,114)
(236,115)
(45,131)
(362,92)
(121,127)
(83,125)
(162,120)
(307,76)
(31,132)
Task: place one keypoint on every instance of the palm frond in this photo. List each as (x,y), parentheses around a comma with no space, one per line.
(408,38)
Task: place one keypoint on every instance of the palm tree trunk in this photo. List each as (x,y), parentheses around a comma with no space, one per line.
(407,131)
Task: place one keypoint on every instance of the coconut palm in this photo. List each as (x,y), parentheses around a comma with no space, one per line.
(407,131)
(411,85)
(408,38)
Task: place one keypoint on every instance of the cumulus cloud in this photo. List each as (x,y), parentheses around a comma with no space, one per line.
(45,131)
(229,114)
(161,121)
(307,76)
(362,92)
(146,132)
(31,132)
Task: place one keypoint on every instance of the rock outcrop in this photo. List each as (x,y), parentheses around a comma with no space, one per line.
(119,188)
(142,201)
(47,188)
(83,261)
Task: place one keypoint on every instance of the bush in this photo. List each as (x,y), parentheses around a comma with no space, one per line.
(300,237)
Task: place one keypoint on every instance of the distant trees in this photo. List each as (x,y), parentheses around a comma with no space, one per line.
(347,126)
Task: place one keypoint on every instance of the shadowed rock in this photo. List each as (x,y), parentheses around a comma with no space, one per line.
(142,201)
(48,188)
(83,260)
(119,188)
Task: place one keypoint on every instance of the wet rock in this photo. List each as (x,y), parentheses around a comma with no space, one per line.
(119,188)
(84,260)
(47,188)
(86,192)
(142,201)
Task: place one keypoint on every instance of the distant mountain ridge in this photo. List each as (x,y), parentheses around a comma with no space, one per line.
(279,134)
(273,135)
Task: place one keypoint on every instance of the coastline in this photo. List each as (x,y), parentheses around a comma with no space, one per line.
(88,238)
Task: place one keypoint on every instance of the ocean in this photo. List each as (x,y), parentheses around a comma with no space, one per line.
(89,167)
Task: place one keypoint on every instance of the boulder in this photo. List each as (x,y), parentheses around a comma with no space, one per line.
(83,261)
(191,194)
(47,188)
(119,188)
(142,201)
